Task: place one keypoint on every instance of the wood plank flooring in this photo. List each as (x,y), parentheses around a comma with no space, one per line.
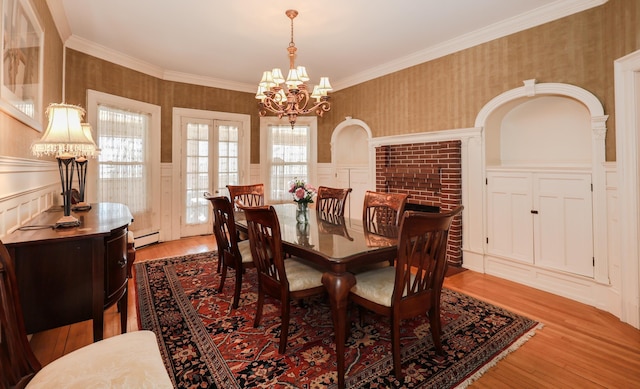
(578,347)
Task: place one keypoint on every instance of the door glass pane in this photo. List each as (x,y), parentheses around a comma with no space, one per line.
(228,173)
(197,173)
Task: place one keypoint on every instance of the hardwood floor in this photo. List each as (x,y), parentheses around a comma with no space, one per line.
(578,347)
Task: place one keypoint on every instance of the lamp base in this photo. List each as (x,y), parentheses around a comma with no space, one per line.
(66,222)
(81,206)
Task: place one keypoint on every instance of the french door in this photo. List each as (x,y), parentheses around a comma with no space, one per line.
(211,160)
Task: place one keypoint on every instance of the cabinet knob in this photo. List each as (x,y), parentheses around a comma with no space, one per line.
(533,211)
(123,262)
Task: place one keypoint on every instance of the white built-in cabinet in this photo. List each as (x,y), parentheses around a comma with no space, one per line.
(541,218)
(356,178)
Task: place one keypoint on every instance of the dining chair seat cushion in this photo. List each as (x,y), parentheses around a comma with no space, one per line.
(130,360)
(245,251)
(376,285)
(301,275)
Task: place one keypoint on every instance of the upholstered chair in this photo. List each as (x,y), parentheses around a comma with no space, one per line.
(413,286)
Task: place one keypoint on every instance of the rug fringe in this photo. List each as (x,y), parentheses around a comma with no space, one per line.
(513,347)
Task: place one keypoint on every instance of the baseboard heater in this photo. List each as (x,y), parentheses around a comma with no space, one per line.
(144,240)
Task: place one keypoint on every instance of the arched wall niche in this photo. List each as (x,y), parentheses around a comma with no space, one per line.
(350,144)
(539,131)
(541,127)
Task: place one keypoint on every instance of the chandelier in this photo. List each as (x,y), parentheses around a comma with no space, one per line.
(293,99)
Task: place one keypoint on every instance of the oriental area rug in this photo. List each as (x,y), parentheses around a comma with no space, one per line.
(207,344)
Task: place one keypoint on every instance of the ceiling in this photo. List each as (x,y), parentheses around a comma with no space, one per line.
(230,43)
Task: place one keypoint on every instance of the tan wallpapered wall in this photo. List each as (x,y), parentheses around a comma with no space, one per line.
(16,137)
(87,72)
(445,93)
(448,92)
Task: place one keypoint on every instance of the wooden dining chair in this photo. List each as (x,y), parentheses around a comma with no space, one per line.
(413,286)
(280,278)
(332,200)
(132,358)
(381,208)
(232,253)
(249,195)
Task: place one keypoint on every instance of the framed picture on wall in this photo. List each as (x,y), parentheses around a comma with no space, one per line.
(22,62)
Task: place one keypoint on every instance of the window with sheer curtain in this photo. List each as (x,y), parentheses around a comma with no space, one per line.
(290,154)
(123,163)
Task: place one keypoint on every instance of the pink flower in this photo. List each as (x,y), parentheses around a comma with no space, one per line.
(300,193)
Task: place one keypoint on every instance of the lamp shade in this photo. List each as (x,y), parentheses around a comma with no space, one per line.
(86,128)
(64,134)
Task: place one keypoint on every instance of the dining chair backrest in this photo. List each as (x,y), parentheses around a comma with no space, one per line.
(382,209)
(332,200)
(249,195)
(422,259)
(224,229)
(266,246)
(18,363)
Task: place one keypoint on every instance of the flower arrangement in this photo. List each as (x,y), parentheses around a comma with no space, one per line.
(302,192)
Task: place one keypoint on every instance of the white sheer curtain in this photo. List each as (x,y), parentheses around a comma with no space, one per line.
(289,156)
(124,163)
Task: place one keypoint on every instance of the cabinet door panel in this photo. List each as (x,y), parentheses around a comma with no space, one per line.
(115,275)
(509,224)
(356,178)
(563,225)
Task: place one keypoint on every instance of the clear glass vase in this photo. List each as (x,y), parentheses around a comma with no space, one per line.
(302,214)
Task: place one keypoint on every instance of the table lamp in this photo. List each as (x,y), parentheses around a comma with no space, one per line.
(64,138)
(81,166)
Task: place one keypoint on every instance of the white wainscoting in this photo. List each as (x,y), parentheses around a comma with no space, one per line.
(27,188)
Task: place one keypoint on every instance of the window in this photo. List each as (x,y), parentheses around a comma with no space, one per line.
(287,153)
(127,168)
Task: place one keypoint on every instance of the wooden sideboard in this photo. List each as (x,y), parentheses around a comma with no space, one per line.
(68,275)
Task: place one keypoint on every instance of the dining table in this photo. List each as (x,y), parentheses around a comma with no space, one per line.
(340,246)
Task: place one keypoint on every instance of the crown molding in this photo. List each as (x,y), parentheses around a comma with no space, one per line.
(536,17)
(209,81)
(86,46)
(59,18)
